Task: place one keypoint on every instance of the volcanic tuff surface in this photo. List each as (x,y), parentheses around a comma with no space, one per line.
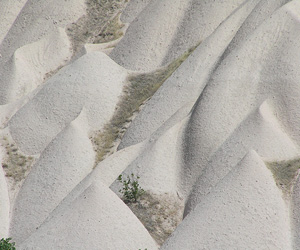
(198,98)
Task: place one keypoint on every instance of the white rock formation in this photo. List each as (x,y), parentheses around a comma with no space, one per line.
(8,13)
(87,222)
(35,20)
(133,9)
(28,66)
(159,164)
(167,28)
(260,132)
(206,139)
(189,80)
(93,82)
(62,165)
(256,71)
(244,211)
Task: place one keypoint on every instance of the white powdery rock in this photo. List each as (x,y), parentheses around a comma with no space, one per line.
(67,160)
(244,211)
(93,82)
(92,218)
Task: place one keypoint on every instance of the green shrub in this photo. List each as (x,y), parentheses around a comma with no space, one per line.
(5,244)
(131,188)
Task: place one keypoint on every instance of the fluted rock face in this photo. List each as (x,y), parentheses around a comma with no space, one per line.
(199,99)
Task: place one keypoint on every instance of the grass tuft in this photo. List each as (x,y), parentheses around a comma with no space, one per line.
(139,89)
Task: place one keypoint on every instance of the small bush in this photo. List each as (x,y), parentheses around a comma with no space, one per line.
(131,188)
(5,244)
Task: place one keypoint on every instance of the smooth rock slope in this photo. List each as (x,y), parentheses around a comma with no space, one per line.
(98,208)
(93,82)
(236,214)
(61,166)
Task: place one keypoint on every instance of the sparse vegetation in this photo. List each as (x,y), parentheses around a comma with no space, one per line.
(110,32)
(15,164)
(160,214)
(285,173)
(131,189)
(5,244)
(100,24)
(139,89)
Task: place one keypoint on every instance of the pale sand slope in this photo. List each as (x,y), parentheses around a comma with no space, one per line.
(261,132)
(158,164)
(93,82)
(262,11)
(43,220)
(148,36)
(94,218)
(166,29)
(264,67)
(33,43)
(105,221)
(37,19)
(4,206)
(198,24)
(29,65)
(195,72)
(189,80)
(61,166)
(9,11)
(108,170)
(133,9)
(236,214)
